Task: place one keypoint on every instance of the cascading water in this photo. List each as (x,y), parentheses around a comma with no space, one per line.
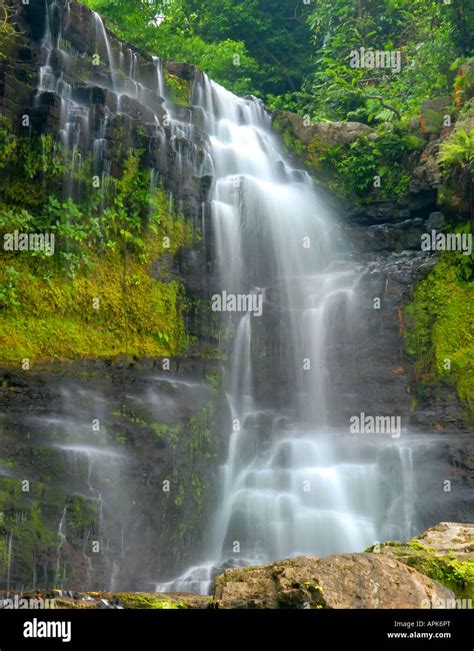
(292,484)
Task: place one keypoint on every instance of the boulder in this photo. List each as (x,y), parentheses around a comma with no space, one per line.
(341,581)
(445,553)
(426,175)
(449,537)
(434,111)
(330,134)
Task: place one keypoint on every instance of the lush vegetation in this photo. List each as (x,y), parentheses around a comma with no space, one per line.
(250,46)
(296,55)
(96,295)
(299,56)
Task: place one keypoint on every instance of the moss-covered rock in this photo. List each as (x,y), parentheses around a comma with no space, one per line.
(445,553)
(440,331)
(340,581)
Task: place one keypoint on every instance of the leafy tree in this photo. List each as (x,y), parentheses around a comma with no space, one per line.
(430,35)
(275,33)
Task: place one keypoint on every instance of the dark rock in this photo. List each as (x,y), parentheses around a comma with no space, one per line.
(426,175)
(435,221)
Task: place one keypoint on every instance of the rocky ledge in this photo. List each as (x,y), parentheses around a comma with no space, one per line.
(433,570)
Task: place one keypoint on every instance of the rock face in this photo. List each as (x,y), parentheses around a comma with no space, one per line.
(450,537)
(341,581)
(445,553)
(434,111)
(395,575)
(426,176)
(157,430)
(326,133)
(141,481)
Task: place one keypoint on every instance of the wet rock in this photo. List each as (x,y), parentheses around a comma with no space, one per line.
(153,435)
(341,581)
(435,221)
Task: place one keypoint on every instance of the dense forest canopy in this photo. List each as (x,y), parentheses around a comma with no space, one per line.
(295,54)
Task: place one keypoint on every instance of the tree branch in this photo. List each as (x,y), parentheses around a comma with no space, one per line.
(384,105)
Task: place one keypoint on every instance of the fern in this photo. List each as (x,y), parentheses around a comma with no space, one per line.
(458,151)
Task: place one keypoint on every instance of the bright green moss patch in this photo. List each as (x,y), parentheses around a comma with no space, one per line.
(114,308)
(148,601)
(413,545)
(455,575)
(440,332)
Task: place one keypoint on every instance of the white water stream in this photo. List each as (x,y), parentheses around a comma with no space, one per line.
(304,488)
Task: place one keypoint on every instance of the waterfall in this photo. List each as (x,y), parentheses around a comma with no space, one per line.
(62,540)
(293,483)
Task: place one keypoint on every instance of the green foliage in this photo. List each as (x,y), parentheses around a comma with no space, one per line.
(352,168)
(249,46)
(9,288)
(458,151)
(104,249)
(179,89)
(8,34)
(296,56)
(430,35)
(30,168)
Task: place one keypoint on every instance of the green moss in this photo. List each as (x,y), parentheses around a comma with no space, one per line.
(440,329)
(147,601)
(82,516)
(114,307)
(197,486)
(455,575)
(23,522)
(167,433)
